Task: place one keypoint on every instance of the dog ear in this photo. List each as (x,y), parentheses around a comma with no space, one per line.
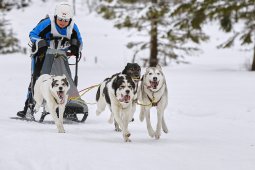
(147,69)
(158,67)
(53,82)
(114,84)
(65,81)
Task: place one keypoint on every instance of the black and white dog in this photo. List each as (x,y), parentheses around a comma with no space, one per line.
(118,93)
(52,89)
(134,71)
(153,93)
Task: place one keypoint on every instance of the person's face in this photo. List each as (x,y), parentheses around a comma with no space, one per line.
(62,23)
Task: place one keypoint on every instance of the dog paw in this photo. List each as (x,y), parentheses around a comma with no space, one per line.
(127,135)
(152,133)
(127,140)
(98,113)
(157,134)
(157,137)
(117,129)
(165,130)
(61,131)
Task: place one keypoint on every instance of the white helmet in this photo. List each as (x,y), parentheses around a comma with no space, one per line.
(64,10)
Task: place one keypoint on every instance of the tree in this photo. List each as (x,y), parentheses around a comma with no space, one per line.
(228,14)
(8,42)
(153,18)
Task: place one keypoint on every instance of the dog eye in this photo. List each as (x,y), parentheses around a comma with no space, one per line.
(122,87)
(158,73)
(130,87)
(150,73)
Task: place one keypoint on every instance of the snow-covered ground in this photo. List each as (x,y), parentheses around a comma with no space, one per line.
(211,112)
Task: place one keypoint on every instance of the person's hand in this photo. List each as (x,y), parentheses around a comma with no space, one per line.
(74,50)
(42,46)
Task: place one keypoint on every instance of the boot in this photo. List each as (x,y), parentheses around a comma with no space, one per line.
(21,114)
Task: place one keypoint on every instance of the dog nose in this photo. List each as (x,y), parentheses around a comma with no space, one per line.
(154,78)
(60,88)
(127,91)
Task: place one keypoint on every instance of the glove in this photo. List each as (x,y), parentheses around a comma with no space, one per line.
(41,45)
(74,47)
(74,50)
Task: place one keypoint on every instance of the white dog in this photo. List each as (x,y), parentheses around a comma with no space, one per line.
(153,93)
(118,93)
(52,89)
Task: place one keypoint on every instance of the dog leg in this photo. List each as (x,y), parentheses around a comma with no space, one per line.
(148,122)
(117,127)
(101,104)
(38,101)
(61,110)
(131,118)
(55,118)
(117,117)
(141,116)
(159,123)
(164,127)
(126,133)
(110,120)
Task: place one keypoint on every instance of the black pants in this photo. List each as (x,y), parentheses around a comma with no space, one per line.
(39,60)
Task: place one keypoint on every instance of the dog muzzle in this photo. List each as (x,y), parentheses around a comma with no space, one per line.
(153,84)
(61,96)
(125,98)
(136,78)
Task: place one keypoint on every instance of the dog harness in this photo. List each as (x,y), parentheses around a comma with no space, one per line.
(153,103)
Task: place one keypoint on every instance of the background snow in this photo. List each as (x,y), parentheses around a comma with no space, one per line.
(211,112)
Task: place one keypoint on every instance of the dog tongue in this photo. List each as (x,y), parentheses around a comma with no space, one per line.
(126,98)
(61,96)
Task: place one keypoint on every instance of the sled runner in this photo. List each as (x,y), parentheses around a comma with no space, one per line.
(56,63)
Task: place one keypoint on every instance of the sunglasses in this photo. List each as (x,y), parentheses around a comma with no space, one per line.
(61,19)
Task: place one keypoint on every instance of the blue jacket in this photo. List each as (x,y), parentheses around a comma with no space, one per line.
(43,31)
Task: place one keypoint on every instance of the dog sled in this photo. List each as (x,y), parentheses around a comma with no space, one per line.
(56,63)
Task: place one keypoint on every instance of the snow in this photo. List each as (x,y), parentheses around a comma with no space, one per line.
(210,116)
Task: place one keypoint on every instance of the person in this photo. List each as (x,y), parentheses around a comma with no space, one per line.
(60,27)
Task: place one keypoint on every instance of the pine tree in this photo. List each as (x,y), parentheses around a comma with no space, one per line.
(228,14)
(153,18)
(8,42)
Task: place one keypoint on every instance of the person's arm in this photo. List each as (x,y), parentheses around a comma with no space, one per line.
(76,41)
(40,31)
(76,35)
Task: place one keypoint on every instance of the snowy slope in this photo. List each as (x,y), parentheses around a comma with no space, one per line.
(211,112)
